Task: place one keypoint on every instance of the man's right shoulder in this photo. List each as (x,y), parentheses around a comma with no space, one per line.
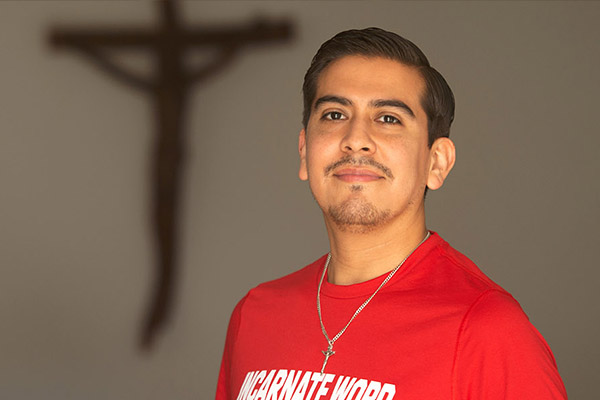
(295,280)
(298,282)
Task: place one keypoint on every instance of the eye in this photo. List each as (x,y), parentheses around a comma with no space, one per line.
(389,119)
(333,116)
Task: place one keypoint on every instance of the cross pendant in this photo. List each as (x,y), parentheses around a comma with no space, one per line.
(328,353)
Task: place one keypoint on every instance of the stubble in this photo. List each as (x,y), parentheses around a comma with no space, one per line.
(357,215)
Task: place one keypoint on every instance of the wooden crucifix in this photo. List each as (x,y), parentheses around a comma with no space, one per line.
(169,87)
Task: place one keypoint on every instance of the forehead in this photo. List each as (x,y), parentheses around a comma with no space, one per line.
(367,78)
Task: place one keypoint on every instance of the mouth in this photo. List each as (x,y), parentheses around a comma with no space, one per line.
(357,175)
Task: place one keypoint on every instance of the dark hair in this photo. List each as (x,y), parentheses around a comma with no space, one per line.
(437,101)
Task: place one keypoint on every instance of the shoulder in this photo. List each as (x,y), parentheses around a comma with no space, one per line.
(448,275)
(464,267)
(293,281)
(495,314)
(499,351)
(290,288)
(499,354)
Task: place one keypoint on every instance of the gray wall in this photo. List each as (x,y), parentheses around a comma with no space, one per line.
(76,255)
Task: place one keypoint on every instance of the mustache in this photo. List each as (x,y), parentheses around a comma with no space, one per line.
(348,160)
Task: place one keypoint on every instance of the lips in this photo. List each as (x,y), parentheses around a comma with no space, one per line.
(357,175)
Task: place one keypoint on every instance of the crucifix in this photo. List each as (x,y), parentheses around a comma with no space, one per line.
(169,43)
(327,353)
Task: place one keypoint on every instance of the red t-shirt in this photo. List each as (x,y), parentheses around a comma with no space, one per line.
(439,329)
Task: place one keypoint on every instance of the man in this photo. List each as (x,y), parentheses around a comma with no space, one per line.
(393,312)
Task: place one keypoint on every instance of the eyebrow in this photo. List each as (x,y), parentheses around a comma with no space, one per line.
(332,99)
(374,103)
(393,103)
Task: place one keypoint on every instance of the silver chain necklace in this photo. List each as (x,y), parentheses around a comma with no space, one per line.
(329,352)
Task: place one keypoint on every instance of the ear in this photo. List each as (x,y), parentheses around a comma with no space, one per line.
(443,155)
(303,172)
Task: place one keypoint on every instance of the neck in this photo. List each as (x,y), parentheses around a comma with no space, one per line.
(360,256)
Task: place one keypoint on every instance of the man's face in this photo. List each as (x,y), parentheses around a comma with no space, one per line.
(365,150)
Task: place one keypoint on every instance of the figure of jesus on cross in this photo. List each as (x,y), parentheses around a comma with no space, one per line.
(169,88)
(328,353)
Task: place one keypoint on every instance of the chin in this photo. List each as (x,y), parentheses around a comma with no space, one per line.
(357,216)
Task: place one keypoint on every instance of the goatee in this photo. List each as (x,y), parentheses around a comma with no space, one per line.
(357,216)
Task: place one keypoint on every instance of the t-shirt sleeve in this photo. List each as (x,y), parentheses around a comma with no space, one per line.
(223,384)
(500,354)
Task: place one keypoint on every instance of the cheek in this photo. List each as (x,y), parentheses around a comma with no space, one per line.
(314,168)
(409,163)
(318,154)
(311,161)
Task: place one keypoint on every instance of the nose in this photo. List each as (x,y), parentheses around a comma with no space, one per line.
(358,139)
